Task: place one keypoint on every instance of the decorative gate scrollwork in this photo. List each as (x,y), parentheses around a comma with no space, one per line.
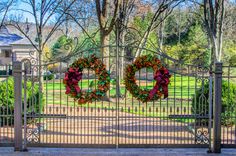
(123,120)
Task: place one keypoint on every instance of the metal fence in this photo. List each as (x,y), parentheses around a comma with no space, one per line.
(185,119)
(6,106)
(228,116)
(181,120)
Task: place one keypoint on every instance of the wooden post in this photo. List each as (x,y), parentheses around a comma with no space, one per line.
(17,74)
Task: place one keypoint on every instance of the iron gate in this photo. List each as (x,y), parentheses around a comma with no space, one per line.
(51,118)
(54,119)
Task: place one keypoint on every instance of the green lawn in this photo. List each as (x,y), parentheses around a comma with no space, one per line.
(181,87)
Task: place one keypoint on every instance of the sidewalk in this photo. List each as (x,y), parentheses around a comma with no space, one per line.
(114,152)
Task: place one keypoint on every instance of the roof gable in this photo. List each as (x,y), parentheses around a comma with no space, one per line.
(7,38)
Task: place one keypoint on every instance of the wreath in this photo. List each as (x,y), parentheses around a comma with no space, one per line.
(74,75)
(161,75)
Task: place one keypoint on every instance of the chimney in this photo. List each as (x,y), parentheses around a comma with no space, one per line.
(27,26)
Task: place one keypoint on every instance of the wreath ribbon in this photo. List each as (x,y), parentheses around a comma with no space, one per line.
(72,77)
(162,80)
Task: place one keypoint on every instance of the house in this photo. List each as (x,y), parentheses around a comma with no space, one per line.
(14,47)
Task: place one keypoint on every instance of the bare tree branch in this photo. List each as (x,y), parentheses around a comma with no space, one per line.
(164,5)
(6,10)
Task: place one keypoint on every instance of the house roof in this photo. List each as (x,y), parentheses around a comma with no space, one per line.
(23,41)
(7,38)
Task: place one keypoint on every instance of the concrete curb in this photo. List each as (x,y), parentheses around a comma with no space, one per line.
(114,152)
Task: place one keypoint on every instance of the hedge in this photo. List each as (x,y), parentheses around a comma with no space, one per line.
(228,102)
(7,100)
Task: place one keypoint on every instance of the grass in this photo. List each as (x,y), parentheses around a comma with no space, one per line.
(181,87)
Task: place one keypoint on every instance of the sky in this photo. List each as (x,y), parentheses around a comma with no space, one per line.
(18,13)
(24,15)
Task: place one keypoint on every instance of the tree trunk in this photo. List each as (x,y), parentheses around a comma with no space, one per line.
(41,88)
(104,40)
(105,49)
(161,35)
(142,43)
(122,55)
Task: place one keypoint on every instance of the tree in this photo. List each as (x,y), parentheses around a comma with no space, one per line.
(126,8)
(4,8)
(60,46)
(106,21)
(164,6)
(229,36)
(42,11)
(214,13)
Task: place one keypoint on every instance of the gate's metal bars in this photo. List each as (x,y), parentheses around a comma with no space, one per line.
(25,107)
(81,112)
(181,95)
(201,99)
(206,110)
(132,118)
(60,104)
(39,68)
(167,111)
(228,128)
(2,118)
(123,110)
(46,105)
(132,123)
(11,112)
(53,106)
(5,116)
(67,112)
(87,126)
(7,98)
(139,118)
(6,122)
(154,122)
(96,112)
(174,104)
(210,107)
(3,122)
(109,102)
(228,106)
(195,105)
(161,122)
(188,99)
(33,102)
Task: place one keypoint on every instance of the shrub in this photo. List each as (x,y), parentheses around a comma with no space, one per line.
(7,100)
(228,102)
(54,68)
(48,76)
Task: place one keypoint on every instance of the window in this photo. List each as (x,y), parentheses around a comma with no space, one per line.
(7,53)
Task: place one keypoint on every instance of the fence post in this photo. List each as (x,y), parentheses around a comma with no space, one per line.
(217,108)
(17,74)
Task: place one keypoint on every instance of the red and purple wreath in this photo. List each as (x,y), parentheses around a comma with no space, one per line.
(74,75)
(161,75)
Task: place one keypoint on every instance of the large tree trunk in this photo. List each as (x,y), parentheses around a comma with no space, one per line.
(161,35)
(161,32)
(122,55)
(105,49)
(104,40)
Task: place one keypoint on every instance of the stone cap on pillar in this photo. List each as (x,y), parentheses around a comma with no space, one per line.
(17,67)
